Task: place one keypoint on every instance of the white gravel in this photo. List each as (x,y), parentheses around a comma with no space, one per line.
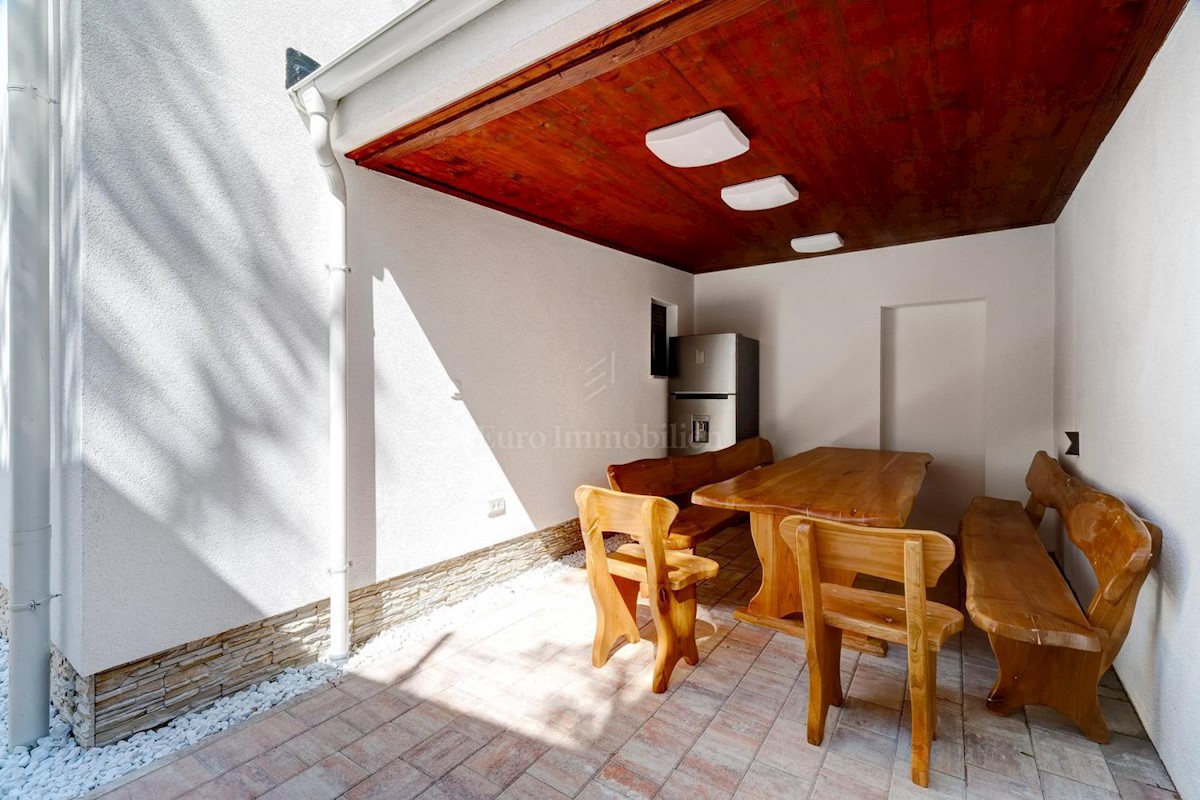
(611,543)
(59,769)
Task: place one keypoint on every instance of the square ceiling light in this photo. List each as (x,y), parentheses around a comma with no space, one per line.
(760,195)
(699,141)
(821,243)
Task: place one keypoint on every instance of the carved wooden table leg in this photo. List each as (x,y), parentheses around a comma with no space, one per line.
(779,594)
(777,604)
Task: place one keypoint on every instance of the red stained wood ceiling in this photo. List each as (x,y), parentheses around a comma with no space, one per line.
(898,120)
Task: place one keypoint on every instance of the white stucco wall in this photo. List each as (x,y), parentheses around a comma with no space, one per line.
(201,360)
(201,356)
(540,334)
(1128,371)
(66,327)
(819,324)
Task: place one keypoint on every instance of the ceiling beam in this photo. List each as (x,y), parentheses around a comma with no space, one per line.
(647,32)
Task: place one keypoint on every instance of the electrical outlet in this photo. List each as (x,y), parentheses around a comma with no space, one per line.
(496,507)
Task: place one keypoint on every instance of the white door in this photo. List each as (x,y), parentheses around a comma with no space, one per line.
(933,366)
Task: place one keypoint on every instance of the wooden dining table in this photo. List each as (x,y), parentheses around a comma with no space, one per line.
(875,488)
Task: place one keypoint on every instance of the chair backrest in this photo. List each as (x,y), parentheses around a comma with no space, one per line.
(880,552)
(643,517)
(1119,545)
(675,477)
(916,559)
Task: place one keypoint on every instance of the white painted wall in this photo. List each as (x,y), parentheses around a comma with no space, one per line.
(201,357)
(1128,372)
(819,324)
(523,319)
(66,328)
(933,398)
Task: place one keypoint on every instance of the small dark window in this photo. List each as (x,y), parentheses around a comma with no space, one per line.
(660,361)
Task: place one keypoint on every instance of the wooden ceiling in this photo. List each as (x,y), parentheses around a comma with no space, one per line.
(898,120)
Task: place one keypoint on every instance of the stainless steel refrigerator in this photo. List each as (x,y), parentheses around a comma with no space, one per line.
(713,392)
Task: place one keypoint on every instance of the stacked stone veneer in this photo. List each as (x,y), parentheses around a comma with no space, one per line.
(144,694)
(73,696)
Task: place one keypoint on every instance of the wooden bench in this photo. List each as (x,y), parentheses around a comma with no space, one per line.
(675,477)
(1051,652)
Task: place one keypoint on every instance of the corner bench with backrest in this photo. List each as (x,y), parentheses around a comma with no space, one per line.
(676,477)
(1051,652)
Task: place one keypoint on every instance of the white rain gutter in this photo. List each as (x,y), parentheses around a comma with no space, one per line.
(32,129)
(317,96)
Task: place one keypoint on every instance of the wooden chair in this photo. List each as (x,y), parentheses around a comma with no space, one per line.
(913,558)
(613,578)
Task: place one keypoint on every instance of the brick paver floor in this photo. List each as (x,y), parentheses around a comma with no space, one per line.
(508,705)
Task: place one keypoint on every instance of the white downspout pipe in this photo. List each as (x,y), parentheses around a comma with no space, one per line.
(320,114)
(317,95)
(31,101)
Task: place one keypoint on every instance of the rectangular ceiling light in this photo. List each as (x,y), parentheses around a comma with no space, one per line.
(699,141)
(760,195)
(821,243)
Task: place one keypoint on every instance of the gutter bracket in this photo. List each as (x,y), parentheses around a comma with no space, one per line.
(29,87)
(32,605)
